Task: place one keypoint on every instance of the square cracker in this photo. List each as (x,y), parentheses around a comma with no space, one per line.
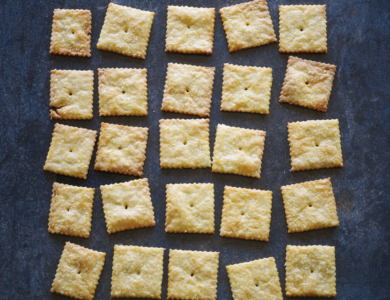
(238,151)
(127,205)
(310,271)
(70,151)
(78,272)
(315,145)
(190,29)
(137,272)
(257,279)
(190,208)
(192,275)
(246,89)
(126,31)
(184,143)
(302,28)
(248,25)
(246,214)
(188,89)
(71,94)
(71,210)
(71,32)
(121,149)
(308,83)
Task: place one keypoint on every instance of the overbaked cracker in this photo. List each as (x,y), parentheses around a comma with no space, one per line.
(188,89)
(246,214)
(302,28)
(246,89)
(71,32)
(127,205)
(121,149)
(238,151)
(315,145)
(184,143)
(192,275)
(78,272)
(70,151)
(126,30)
(248,25)
(190,29)
(258,279)
(137,272)
(310,271)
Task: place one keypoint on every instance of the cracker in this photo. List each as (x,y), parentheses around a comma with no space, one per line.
(188,89)
(302,28)
(246,214)
(184,143)
(127,205)
(258,279)
(78,272)
(71,210)
(192,275)
(71,94)
(137,272)
(71,32)
(238,151)
(248,25)
(310,271)
(70,151)
(190,208)
(190,29)
(121,149)
(315,145)
(246,89)
(126,31)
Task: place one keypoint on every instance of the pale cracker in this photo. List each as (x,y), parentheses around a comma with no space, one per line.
(315,145)
(310,271)
(184,143)
(190,208)
(302,28)
(238,151)
(248,25)
(71,210)
(137,272)
(127,205)
(71,32)
(190,29)
(188,89)
(70,151)
(257,279)
(126,31)
(192,275)
(246,89)
(78,272)
(121,149)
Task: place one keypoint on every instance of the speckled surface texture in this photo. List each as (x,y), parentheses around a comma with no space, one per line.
(358,43)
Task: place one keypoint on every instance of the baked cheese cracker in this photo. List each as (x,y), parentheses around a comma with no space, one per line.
(315,145)
(121,149)
(126,31)
(70,151)
(71,32)
(137,272)
(246,89)
(78,272)
(188,89)
(192,275)
(302,28)
(310,271)
(190,29)
(127,205)
(247,25)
